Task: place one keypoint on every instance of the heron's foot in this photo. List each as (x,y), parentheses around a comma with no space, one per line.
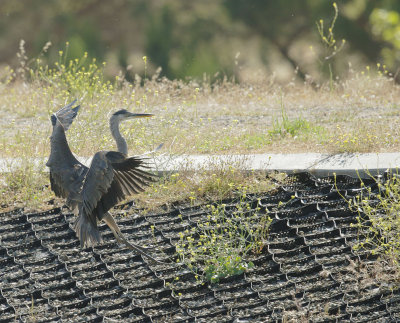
(119,240)
(144,248)
(140,251)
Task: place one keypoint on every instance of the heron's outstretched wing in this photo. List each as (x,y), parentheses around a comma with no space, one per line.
(65,115)
(66,172)
(111,177)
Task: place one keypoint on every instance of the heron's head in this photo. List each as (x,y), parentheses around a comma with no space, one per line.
(123,114)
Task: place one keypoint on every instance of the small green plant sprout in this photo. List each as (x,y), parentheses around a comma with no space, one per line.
(145,67)
(218,247)
(32,311)
(283,126)
(192,198)
(378,218)
(331,46)
(286,127)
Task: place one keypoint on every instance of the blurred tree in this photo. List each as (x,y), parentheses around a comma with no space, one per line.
(181,38)
(386,26)
(367,28)
(190,38)
(159,40)
(280,23)
(96,26)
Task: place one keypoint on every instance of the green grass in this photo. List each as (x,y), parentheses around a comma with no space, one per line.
(283,127)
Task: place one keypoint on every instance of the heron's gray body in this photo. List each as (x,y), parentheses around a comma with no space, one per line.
(92,191)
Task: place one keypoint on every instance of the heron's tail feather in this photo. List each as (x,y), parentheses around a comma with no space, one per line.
(87,233)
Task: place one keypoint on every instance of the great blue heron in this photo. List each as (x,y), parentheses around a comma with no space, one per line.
(93,191)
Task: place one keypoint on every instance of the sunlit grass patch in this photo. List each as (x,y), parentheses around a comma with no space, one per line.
(215,181)
(365,137)
(25,187)
(190,117)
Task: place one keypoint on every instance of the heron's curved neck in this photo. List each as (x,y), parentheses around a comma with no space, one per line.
(121,142)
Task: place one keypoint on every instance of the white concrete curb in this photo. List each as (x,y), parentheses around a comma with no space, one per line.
(318,164)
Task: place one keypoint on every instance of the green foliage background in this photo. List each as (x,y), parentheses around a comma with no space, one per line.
(193,38)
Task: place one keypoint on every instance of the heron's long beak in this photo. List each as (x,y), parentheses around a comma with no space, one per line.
(140,115)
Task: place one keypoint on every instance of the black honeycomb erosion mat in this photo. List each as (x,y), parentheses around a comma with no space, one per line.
(305,267)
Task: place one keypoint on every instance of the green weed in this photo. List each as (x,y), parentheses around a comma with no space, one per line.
(379,218)
(284,126)
(331,46)
(217,248)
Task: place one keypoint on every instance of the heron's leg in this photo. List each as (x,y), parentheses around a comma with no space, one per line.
(113,227)
(109,220)
(117,237)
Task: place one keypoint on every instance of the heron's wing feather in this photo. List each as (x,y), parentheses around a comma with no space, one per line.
(129,174)
(65,115)
(66,172)
(56,185)
(67,182)
(112,177)
(97,183)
